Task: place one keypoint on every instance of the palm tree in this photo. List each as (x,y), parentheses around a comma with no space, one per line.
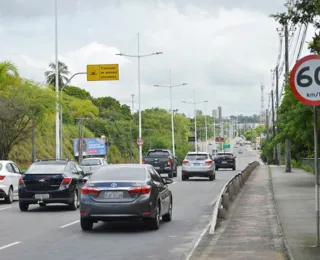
(7,68)
(63,71)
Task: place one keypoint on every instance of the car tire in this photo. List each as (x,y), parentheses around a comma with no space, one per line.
(211,177)
(42,204)
(154,223)
(175,174)
(73,205)
(9,198)
(168,217)
(217,168)
(86,224)
(23,206)
(170,174)
(234,168)
(183,178)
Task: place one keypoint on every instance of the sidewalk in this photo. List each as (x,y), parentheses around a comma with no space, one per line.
(252,231)
(295,202)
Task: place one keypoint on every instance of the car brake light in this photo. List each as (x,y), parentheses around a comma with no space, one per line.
(208,161)
(66,181)
(21,182)
(144,189)
(90,191)
(2,177)
(185,162)
(143,161)
(169,161)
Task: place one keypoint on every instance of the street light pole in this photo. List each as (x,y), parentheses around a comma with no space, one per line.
(205,122)
(61,95)
(57,82)
(171,108)
(139,88)
(195,117)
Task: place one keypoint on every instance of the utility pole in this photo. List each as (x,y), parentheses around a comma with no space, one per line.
(132,101)
(273,126)
(286,55)
(267,124)
(278,151)
(81,148)
(34,145)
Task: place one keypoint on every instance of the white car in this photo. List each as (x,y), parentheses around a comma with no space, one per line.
(9,180)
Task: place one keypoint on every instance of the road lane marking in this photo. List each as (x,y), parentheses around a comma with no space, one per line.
(198,241)
(9,245)
(6,208)
(69,224)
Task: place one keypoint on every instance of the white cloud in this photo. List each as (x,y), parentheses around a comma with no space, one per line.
(223,53)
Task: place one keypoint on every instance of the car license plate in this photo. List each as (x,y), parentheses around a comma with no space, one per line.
(41,196)
(113,195)
(156,167)
(224,162)
(196,164)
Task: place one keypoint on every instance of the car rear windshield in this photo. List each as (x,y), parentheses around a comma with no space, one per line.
(197,157)
(46,168)
(91,162)
(158,154)
(225,155)
(120,174)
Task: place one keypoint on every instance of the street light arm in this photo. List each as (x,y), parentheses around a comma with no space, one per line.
(78,73)
(138,56)
(174,86)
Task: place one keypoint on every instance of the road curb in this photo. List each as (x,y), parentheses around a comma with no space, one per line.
(228,194)
(287,247)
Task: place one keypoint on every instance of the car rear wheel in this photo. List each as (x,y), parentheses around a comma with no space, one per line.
(217,168)
(234,168)
(167,217)
(23,206)
(212,177)
(184,178)
(86,224)
(42,204)
(154,223)
(73,205)
(9,197)
(171,173)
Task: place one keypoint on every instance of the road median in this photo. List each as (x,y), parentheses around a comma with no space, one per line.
(228,194)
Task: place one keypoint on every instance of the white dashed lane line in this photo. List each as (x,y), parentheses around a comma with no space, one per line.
(10,245)
(6,208)
(70,224)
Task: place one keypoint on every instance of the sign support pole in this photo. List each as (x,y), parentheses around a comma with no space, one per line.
(316,171)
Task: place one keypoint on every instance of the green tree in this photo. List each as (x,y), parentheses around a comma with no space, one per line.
(63,72)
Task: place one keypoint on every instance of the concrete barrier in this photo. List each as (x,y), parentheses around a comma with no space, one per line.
(228,194)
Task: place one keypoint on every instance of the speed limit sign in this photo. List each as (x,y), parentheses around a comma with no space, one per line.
(139,141)
(305,80)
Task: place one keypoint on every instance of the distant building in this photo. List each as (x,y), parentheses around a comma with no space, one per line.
(220,112)
(215,113)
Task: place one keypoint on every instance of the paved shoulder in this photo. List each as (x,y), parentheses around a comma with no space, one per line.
(252,230)
(294,194)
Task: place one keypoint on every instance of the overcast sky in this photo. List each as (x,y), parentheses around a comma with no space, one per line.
(224,49)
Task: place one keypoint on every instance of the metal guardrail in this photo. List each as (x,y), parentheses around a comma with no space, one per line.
(228,194)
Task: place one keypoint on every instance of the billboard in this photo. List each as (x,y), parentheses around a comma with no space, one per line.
(91,146)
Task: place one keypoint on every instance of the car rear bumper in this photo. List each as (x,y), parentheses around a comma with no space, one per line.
(97,211)
(56,196)
(4,189)
(163,170)
(207,173)
(225,165)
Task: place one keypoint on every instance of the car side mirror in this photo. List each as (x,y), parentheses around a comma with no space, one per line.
(85,174)
(167,180)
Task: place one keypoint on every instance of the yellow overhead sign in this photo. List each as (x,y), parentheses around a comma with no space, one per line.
(101,72)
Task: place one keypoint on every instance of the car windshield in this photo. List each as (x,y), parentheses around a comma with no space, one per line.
(158,154)
(120,174)
(197,157)
(46,168)
(91,162)
(225,155)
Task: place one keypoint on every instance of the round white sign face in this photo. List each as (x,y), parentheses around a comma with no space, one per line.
(305,80)
(140,141)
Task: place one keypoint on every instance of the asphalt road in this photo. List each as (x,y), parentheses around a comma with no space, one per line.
(54,232)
